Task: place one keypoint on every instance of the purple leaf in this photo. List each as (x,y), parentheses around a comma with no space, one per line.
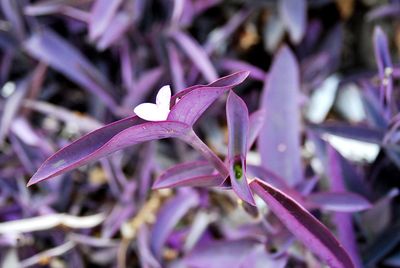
(294,16)
(11,11)
(193,101)
(102,13)
(343,221)
(356,132)
(132,130)
(176,68)
(256,122)
(279,141)
(11,107)
(217,254)
(384,62)
(237,65)
(197,54)
(338,201)
(314,235)
(168,217)
(197,173)
(48,47)
(382,54)
(104,141)
(238,130)
(118,26)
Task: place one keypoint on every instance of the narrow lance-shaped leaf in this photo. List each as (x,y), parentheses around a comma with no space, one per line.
(338,201)
(314,235)
(279,141)
(197,173)
(238,131)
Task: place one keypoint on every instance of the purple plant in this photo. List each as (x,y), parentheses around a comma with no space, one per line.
(287,160)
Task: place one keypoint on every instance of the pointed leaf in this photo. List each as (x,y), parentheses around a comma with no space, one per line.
(238,131)
(279,141)
(339,201)
(189,104)
(197,173)
(314,235)
(104,141)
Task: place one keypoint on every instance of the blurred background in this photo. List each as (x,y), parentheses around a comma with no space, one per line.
(68,67)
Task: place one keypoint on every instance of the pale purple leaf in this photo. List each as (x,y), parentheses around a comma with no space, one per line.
(197,173)
(197,54)
(48,47)
(238,130)
(294,16)
(102,14)
(338,201)
(169,215)
(12,107)
(118,27)
(146,257)
(104,141)
(314,235)
(176,68)
(256,122)
(279,140)
(193,101)
(11,11)
(217,254)
(382,54)
(233,65)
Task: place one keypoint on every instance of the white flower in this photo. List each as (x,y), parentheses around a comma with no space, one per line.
(156,111)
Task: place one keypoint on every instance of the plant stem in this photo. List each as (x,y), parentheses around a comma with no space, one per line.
(193,140)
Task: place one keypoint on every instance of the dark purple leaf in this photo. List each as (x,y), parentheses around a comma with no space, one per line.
(238,130)
(314,235)
(168,217)
(198,173)
(279,140)
(104,141)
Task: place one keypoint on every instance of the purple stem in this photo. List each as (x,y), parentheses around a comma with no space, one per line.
(193,140)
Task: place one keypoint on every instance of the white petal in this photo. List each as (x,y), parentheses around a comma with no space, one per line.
(164,96)
(151,112)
